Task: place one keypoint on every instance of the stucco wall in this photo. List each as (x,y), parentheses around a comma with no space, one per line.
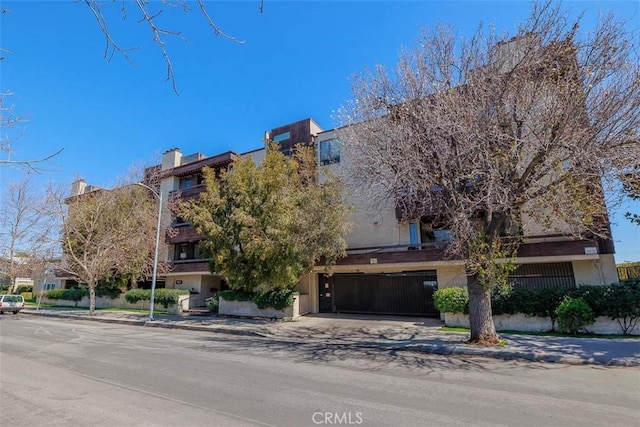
(249,309)
(449,276)
(121,302)
(520,322)
(596,272)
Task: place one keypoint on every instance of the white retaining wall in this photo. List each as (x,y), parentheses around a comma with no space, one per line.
(249,309)
(520,322)
(120,302)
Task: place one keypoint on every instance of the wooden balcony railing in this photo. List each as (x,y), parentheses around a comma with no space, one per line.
(187,193)
(437,252)
(182,234)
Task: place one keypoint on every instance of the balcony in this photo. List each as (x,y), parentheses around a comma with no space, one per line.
(436,251)
(396,254)
(186,194)
(182,234)
(190,266)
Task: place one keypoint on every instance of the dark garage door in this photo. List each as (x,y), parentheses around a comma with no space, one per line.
(397,293)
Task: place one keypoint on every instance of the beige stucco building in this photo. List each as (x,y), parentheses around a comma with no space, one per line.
(393,264)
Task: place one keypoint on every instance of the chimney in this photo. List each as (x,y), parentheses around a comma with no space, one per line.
(78,187)
(171,158)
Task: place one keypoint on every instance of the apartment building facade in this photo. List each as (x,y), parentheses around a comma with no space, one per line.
(394,262)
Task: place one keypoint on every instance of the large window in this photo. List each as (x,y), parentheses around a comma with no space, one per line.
(329,151)
(281,137)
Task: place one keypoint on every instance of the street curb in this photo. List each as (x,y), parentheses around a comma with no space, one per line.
(92,319)
(446,350)
(215,330)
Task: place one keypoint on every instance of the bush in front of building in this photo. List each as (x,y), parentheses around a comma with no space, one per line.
(574,314)
(73,294)
(278,299)
(452,300)
(623,304)
(163,296)
(618,301)
(24,288)
(111,287)
(213,303)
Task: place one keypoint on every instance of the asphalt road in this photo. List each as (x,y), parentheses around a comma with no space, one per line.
(60,372)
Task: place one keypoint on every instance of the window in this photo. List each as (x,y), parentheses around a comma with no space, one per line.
(179,221)
(190,181)
(185,251)
(329,151)
(282,137)
(434,232)
(413,233)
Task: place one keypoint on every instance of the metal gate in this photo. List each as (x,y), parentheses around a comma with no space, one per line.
(408,293)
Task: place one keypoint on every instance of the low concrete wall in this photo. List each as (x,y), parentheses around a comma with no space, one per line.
(520,322)
(120,302)
(249,309)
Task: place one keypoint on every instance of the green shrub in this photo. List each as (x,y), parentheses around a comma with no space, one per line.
(452,300)
(24,288)
(530,302)
(168,297)
(73,294)
(574,314)
(278,299)
(213,303)
(27,295)
(111,288)
(132,296)
(236,295)
(594,296)
(623,305)
(163,296)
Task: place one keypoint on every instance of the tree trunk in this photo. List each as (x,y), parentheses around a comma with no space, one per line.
(483,331)
(92,300)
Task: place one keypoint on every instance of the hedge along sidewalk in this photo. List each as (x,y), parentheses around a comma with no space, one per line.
(319,331)
(619,302)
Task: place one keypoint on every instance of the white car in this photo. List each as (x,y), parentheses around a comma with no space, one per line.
(13,303)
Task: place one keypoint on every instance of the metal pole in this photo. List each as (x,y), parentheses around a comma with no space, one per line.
(46,274)
(155,257)
(157,194)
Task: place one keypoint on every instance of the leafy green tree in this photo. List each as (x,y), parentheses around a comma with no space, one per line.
(269,224)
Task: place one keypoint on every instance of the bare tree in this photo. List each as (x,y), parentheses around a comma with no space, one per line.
(107,232)
(149,15)
(8,134)
(27,232)
(494,136)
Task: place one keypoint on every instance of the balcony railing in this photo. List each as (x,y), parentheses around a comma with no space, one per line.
(187,193)
(436,251)
(183,234)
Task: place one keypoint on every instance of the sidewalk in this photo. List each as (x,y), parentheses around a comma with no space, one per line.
(383,332)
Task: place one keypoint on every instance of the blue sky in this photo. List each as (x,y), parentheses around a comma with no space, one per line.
(296,62)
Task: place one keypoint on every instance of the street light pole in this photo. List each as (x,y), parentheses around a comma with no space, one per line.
(155,256)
